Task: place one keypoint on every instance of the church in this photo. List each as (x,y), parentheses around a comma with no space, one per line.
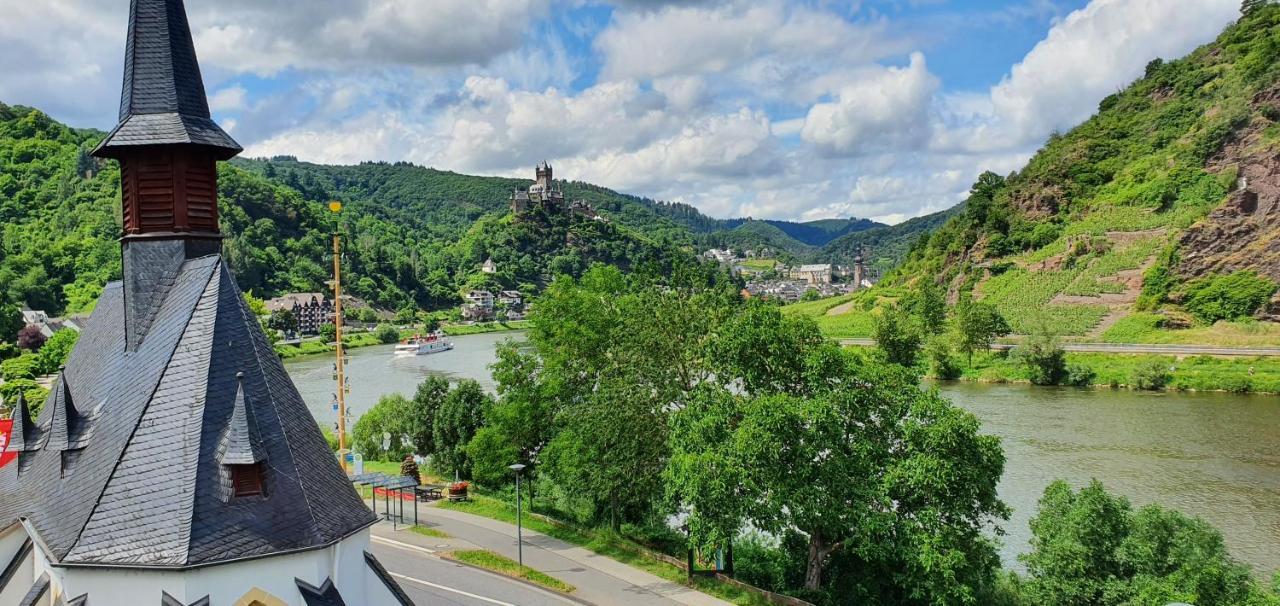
(174,462)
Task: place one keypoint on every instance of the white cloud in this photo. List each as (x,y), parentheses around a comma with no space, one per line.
(885,110)
(768,42)
(1093,52)
(228,99)
(267,37)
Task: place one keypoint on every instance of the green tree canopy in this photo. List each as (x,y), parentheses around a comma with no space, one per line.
(898,335)
(978,324)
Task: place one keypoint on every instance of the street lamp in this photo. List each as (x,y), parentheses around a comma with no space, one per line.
(518,467)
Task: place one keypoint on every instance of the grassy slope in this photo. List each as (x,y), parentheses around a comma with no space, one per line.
(1064,243)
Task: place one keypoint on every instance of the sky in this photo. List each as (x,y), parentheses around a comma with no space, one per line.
(781,109)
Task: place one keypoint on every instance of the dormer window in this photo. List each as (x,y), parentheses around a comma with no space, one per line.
(246,480)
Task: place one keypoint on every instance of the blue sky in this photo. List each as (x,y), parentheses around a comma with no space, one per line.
(795,109)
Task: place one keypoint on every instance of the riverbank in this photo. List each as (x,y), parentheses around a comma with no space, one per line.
(457,330)
(315,347)
(1120,371)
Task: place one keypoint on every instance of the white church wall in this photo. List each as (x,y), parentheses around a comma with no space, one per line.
(225,584)
(11,541)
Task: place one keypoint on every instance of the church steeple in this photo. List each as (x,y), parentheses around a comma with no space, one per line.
(168,147)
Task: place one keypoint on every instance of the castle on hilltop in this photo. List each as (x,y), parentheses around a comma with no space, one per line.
(546,195)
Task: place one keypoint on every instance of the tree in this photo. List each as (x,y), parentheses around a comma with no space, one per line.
(1089,548)
(56,350)
(519,425)
(1043,358)
(905,482)
(328,333)
(386,333)
(461,415)
(978,325)
(1247,7)
(387,416)
(929,305)
(284,321)
(898,335)
(10,322)
(30,338)
(420,420)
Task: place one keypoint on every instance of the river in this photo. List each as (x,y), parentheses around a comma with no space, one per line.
(1216,456)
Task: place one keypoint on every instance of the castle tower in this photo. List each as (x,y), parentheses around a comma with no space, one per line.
(545,177)
(859,270)
(174,444)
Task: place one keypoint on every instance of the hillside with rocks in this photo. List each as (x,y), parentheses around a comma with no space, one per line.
(1126,224)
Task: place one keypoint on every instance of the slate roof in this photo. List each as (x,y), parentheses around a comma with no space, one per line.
(138,481)
(164,98)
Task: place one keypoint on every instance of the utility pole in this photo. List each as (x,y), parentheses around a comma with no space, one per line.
(340,365)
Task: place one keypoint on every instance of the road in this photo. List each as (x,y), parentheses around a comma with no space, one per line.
(597,579)
(1129,348)
(429,579)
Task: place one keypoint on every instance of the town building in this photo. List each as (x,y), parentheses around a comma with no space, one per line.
(310,309)
(724,256)
(48,325)
(174,461)
(479,306)
(489,267)
(812,274)
(511,298)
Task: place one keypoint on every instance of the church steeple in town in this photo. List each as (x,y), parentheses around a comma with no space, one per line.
(168,147)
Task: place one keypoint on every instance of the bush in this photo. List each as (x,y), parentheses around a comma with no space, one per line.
(1044,359)
(1152,376)
(942,361)
(30,338)
(1090,547)
(24,366)
(34,394)
(1230,297)
(386,334)
(330,438)
(328,333)
(760,562)
(1237,384)
(1080,375)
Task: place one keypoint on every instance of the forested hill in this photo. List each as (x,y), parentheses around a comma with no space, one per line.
(417,235)
(1173,184)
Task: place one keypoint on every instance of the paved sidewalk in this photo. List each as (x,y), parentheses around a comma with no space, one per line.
(599,580)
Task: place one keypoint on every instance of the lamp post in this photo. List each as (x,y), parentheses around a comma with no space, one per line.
(518,467)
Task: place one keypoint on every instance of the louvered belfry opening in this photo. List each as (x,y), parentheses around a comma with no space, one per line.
(169,190)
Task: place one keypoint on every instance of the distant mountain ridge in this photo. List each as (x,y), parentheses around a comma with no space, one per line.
(416,236)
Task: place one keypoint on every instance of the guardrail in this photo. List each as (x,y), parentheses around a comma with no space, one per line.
(1130,348)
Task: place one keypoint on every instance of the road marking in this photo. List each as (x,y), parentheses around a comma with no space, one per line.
(395,543)
(450,589)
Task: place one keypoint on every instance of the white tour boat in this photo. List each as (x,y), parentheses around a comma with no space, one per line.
(419,345)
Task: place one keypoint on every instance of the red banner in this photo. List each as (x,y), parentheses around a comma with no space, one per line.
(6,457)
